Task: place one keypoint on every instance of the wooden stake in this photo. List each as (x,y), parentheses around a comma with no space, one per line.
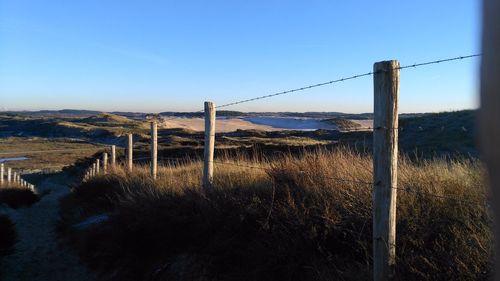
(2,171)
(94,169)
(208,168)
(489,112)
(105,162)
(154,149)
(98,166)
(130,150)
(113,156)
(385,159)
(9,175)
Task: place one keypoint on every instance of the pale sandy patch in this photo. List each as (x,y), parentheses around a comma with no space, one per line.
(365,124)
(221,125)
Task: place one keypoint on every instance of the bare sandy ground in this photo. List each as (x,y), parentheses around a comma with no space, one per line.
(39,255)
(365,124)
(254,123)
(221,125)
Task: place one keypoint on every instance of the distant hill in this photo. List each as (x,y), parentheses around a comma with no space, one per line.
(343,124)
(59,113)
(96,127)
(440,133)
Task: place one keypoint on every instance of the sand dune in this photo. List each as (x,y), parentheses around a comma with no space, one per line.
(255,123)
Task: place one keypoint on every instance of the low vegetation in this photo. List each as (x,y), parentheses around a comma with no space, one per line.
(446,133)
(290,218)
(16,196)
(69,152)
(343,124)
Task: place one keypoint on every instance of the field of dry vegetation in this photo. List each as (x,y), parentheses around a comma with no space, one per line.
(302,217)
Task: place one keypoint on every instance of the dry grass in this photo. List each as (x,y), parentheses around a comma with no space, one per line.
(44,161)
(291,220)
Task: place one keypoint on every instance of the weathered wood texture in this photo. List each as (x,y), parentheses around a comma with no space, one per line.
(113,156)
(208,168)
(130,152)
(385,159)
(2,172)
(154,149)
(105,162)
(489,114)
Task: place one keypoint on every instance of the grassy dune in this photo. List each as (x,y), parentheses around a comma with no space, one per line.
(290,220)
(21,147)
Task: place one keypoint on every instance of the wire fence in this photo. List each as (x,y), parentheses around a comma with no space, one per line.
(331,82)
(343,79)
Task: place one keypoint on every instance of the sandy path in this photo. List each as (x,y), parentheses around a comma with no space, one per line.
(39,255)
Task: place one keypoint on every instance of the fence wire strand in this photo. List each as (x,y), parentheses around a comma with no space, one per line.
(343,79)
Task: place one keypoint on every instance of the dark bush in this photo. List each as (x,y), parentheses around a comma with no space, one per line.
(7,236)
(18,197)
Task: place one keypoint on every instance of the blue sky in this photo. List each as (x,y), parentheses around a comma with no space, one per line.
(173,55)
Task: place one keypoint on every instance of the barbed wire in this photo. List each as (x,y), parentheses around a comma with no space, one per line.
(438,61)
(344,79)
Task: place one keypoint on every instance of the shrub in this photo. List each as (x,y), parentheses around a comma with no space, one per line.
(16,197)
(294,218)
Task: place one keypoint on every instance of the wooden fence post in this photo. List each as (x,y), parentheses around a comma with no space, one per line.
(113,156)
(9,175)
(98,166)
(208,167)
(385,159)
(130,151)
(15,177)
(154,149)
(105,162)
(489,112)
(2,171)
(94,170)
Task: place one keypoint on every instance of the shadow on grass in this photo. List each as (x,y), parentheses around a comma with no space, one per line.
(16,197)
(7,236)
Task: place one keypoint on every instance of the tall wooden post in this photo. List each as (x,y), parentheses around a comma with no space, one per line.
(105,162)
(9,175)
(113,156)
(130,151)
(154,149)
(208,167)
(489,113)
(2,171)
(15,177)
(98,166)
(385,159)
(94,169)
